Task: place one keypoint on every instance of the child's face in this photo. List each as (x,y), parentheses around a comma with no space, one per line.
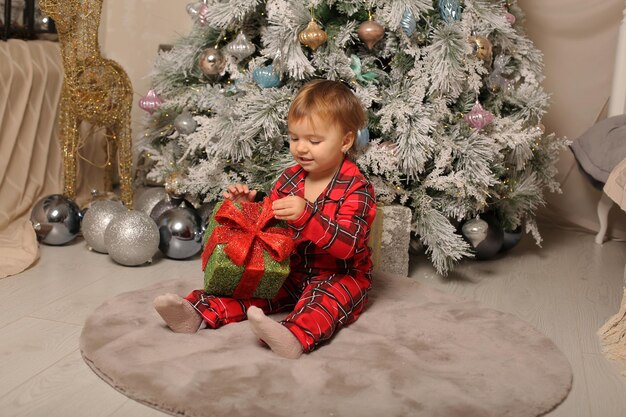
(318,146)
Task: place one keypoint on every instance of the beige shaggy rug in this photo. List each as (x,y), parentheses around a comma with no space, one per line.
(415,351)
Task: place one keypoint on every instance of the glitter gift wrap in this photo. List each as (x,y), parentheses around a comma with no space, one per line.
(246,251)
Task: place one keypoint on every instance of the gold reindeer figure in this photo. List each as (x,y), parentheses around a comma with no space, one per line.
(95,90)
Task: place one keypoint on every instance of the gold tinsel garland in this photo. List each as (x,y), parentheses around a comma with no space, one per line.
(95,90)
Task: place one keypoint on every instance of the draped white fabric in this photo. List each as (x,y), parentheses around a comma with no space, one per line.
(31,76)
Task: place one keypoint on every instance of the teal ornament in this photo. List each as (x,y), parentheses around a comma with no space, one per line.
(265,77)
(357,69)
(408,22)
(362,138)
(450,10)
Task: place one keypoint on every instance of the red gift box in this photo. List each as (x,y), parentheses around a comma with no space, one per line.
(246,252)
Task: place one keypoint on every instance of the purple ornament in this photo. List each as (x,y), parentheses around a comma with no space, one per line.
(478,117)
(151,102)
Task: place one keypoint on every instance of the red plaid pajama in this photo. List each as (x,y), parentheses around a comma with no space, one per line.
(330,269)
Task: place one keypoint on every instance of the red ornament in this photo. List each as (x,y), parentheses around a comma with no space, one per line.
(247,236)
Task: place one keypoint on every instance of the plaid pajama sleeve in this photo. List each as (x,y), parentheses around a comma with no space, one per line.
(344,235)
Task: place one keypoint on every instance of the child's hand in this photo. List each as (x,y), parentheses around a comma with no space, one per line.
(289,208)
(239,192)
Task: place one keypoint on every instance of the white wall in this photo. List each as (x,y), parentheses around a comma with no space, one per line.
(579,41)
(130,33)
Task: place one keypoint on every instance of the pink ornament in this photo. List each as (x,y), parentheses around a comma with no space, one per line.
(509,17)
(478,117)
(203,14)
(151,102)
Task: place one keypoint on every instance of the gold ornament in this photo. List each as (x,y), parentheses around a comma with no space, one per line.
(173,184)
(481,47)
(371,32)
(313,36)
(95,90)
(211,61)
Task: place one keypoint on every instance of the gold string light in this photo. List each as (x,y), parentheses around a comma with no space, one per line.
(95,90)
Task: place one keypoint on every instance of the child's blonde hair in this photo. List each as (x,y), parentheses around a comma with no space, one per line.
(330,100)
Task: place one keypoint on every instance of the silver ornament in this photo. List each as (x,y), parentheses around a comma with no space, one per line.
(211,61)
(169,202)
(241,47)
(96,221)
(485,235)
(450,10)
(56,219)
(180,232)
(148,198)
(42,23)
(131,238)
(408,22)
(475,231)
(185,123)
(194,8)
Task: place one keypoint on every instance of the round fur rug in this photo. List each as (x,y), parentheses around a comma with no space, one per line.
(415,351)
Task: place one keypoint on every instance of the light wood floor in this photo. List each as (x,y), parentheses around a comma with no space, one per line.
(568,289)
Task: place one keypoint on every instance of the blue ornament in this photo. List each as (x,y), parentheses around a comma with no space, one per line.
(450,10)
(265,77)
(408,22)
(362,138)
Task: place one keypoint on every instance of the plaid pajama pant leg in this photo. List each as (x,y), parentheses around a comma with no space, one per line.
(326,304)
(218,311)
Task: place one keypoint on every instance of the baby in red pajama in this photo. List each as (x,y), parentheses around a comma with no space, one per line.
(329,207)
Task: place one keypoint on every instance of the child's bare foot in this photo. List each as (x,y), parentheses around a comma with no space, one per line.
(278,337)
(178,313)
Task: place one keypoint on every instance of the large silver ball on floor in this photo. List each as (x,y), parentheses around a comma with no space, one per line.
(169,202)
(131,238)
(56,219)
(180,232)
(96,220)
(148,198)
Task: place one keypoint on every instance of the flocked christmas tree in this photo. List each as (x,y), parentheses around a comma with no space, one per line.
(452,91)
